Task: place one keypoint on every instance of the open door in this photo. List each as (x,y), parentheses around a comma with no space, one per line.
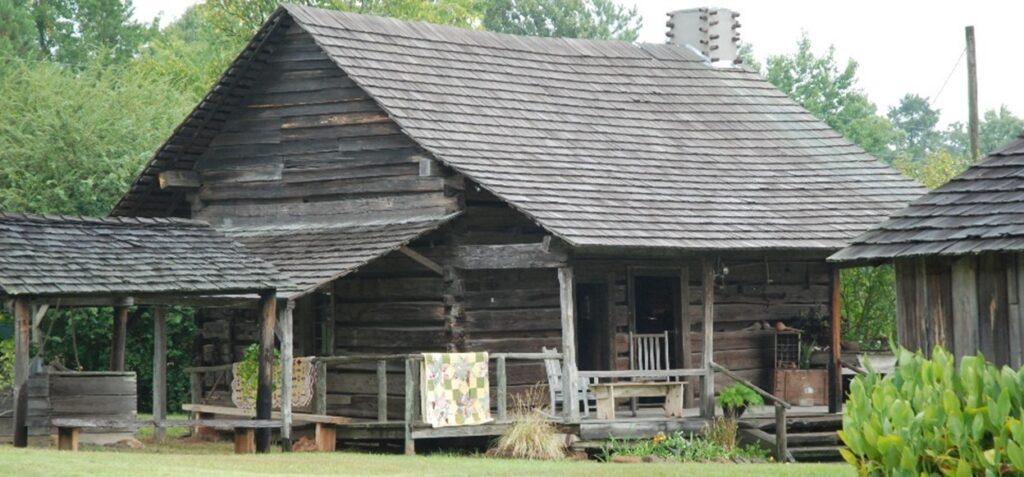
(657,309)
(593,328)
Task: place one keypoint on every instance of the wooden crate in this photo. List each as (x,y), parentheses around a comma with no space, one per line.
(802,387)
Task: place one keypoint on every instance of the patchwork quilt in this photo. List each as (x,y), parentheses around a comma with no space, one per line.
(455,389)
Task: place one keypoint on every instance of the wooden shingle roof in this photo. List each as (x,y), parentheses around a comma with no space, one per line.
(603,143)
(314,255)
(613,144)
(60,255)
(981,210)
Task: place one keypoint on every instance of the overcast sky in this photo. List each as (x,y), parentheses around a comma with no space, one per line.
(902,46)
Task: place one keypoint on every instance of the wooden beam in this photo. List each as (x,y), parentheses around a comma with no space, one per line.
(120,338)
(965,306)
(508,256)
(179,180)
(835,400)
(21,357)
(683,344)
(37,319)
(382,390)
(707,392)
(570,378)
(159,369)
(410,407)
(285,334)
(420,259)
(264,388)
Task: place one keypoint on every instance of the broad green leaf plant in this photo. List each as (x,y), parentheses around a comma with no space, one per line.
(932,418)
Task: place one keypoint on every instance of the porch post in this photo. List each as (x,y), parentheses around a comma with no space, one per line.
(567,297)
(835,395)
(264,386)
(159,370)
(284,327)
(120,335)
(707,393)
(21,357)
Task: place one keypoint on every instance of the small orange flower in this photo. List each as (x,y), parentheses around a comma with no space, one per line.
(659,438)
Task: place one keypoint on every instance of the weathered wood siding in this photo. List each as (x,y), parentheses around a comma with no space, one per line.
(110,395)
(757,291)
(308,145)
(966,304)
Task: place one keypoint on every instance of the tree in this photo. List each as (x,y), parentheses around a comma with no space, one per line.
(936,168)
(916,118)
(600,19)
(76,32)
(830,93)
(16,30)
(998,127)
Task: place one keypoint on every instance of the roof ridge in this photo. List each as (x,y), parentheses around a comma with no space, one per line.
(86,219)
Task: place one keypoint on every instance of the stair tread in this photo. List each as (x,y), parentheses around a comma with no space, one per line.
(824,438)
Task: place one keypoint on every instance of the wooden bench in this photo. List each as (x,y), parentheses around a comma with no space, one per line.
(326,430)
(606,393)
(69,429)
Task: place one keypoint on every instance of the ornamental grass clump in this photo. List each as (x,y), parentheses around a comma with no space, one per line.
(531,435)
(930,418)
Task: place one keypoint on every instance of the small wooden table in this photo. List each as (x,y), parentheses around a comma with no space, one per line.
(606,393)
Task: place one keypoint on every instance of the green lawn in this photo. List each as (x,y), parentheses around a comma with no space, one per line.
(181,459)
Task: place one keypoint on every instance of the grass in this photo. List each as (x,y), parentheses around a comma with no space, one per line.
(190,459)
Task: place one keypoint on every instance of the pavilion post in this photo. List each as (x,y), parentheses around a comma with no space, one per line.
(120,336)
(21,368)
(707,392)
(835,398)
(570,376)
(159,370)
(264,384)
(284,328)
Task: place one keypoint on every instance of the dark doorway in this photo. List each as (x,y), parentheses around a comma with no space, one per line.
(656,307)
(592,327)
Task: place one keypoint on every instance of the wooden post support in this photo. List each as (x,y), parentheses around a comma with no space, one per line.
(502,389)
(120,336)
(973,124)
(382,390)
(264,388)
(68,438)
(707,392)
(21,357)
(410,407)
(321,387)
(781,439)
(285,333)
(835,397)
(570,376)
(159,370)
(684,345)
(195,380)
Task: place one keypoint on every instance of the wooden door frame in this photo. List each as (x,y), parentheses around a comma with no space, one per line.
(683,321)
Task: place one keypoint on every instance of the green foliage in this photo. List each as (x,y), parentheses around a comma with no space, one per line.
(936,168)
(679,448)
(722,431)
(71,142)
(869,305)
(17,31)
(829,92)
(6,363)
(931,418)
(739,395)
(916,118)
(601,19)
(249,372)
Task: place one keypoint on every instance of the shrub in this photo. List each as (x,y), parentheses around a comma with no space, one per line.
(722,431)
(737,397)
(531,435)
(6,363)
(929,418)
(680,448)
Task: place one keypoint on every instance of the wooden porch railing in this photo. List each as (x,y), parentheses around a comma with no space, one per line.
(781,447)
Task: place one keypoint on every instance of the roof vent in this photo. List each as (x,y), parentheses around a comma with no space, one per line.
(713,32)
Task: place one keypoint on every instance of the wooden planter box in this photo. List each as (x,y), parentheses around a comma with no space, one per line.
(802,387)
(111,395)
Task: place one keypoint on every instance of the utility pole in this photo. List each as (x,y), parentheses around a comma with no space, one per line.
(972,95)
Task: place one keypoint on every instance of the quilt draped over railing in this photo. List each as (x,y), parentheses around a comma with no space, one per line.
(303,380)
(455,389)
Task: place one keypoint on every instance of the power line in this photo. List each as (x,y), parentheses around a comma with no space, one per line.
(950,75)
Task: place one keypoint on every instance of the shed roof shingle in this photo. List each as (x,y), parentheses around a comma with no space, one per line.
(61,255)
(981,210)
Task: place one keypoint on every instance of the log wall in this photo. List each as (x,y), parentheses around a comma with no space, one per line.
(53,395)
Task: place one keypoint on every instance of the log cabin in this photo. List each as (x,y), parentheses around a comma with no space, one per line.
(957,253)
(427,188)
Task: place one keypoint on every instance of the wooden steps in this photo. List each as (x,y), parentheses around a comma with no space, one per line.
(810,438)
